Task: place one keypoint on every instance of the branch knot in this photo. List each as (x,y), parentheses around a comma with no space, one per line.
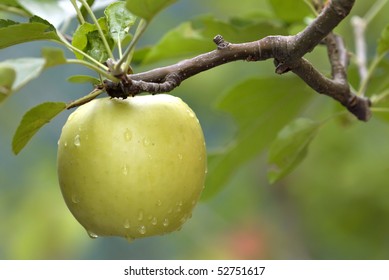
(220,42)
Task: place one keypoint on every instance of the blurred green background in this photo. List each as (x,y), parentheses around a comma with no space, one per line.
(335,205)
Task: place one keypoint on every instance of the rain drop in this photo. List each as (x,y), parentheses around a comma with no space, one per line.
(180,156)
(126,224)
(146,142)
(140,215)
(65,144)
(165,222)
(71,116)
(190,113)
(178,204)
(159,202)
(75,198)
(142,229)
(128,135)
(154,221)
(125,170)
(92,234)
(183,219)
(77,141)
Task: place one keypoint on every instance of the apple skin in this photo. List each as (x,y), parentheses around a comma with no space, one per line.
(132,168)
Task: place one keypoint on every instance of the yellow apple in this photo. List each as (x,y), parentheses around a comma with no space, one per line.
(133,167)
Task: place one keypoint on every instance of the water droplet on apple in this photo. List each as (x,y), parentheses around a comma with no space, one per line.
(65,144)
(75,198)
(183,219)
(190,113)
(125,170)
(180,156)
(140,215)
(142,229)
(178,204)
(77,141)
(128,135)
(159,202)
(71,116)
(126,224)
(92,234)
(146,142)
(165,222)
(154,221)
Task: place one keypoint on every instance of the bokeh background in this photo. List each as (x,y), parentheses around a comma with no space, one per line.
(335,205)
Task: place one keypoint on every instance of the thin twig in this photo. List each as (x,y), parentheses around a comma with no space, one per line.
(359,26)
(80,17)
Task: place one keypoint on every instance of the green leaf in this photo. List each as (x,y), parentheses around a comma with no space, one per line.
(53,56)
(12,33)
(32,121)
(87,39)
(48,9)
(6,22)
(291,147)
(147,9)
(119,20)
(290,11)
(83,79)
(261,108)
(25,70)
(383,42)
(239,30)
(7,78)
(196,36)
(96,47)
(13,4)
(179,42)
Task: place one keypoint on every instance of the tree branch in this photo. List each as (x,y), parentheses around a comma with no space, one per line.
(287,52)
